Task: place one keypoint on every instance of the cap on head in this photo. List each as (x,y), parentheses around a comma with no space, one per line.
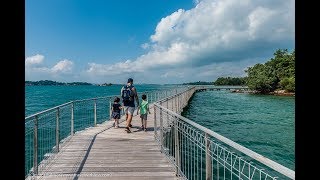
(130,80)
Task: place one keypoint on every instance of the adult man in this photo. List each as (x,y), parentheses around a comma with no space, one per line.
(129,94)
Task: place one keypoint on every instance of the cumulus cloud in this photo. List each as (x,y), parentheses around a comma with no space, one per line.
(174,74)
(145,46)
(64,66)
(34,60)
(114,69)
(214,31)
(196,1)
(36,70)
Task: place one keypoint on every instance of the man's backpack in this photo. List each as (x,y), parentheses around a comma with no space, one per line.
(127,93)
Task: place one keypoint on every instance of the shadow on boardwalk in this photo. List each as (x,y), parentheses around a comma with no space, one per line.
(104,152)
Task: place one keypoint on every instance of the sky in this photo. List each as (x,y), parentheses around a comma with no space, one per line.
(158,41)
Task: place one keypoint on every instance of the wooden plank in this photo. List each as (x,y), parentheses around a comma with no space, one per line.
(108,169)
(115,174)
(109,178)
(103,152)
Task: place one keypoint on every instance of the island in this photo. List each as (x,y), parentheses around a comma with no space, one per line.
(276,76)
(55,83)
(198,83)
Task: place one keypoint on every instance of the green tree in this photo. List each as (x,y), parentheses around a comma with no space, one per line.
(261,78)
(288,84)
(277,73)
(233,81)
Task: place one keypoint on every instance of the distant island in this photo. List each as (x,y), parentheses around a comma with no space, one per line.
(230,81)
(106,84)
(198,83)
(55,83)
(276,76)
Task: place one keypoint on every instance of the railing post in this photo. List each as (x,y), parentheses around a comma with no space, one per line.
(57,130)
(110,109)
(208,159)
(72,118)
(179,104)
(155,120)
(155,96)
(171,103)
(35,146)
(175,102)
(95,112)
(167,99)
(161,130)
(177,150)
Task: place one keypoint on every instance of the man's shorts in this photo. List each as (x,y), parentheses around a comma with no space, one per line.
(129,110)
(143,116)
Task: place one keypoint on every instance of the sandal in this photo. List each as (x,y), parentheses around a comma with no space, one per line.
(128,130)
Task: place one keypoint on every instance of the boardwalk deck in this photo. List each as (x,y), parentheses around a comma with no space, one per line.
(104,152)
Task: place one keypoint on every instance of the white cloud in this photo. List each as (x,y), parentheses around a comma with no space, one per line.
(36,70)
(145,46)
(115,69)
(196,1)
(174,74)
(213,32)
(34,60)
(215,38)
(64,66)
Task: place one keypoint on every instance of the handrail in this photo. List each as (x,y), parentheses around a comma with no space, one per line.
(44,111)
(272,164)
(64,120)
(79,100)
(158,103)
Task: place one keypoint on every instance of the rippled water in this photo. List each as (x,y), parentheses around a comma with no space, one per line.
(39,98)
(262,123)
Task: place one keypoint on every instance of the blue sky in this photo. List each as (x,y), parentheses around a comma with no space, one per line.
(158,41)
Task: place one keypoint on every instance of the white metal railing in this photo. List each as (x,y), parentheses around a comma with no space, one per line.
(196,152)
(200,153)
(45,131)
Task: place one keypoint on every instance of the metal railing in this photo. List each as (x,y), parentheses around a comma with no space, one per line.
(199,153)
(46,131)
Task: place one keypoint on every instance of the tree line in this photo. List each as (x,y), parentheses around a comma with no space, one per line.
(53,83)
(276,74)
(232,81)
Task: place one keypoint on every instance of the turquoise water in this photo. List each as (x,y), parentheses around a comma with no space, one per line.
(39,98)
(262,123)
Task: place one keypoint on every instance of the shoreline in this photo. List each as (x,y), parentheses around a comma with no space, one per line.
(275,93)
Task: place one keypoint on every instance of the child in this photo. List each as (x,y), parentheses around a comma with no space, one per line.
(144,109)
(116,107)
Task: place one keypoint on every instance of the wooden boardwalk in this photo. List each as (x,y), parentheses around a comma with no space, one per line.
(104,152)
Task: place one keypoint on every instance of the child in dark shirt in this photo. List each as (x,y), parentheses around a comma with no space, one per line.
(116,108)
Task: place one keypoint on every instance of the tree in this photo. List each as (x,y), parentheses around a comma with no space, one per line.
(277,73)
(233,81)
(261,78)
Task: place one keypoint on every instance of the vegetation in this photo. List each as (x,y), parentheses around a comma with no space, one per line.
(276,74)
(198,83)
(53,83)
(232,81)
(106,84)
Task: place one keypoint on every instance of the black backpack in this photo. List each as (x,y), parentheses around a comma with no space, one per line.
(127,93)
